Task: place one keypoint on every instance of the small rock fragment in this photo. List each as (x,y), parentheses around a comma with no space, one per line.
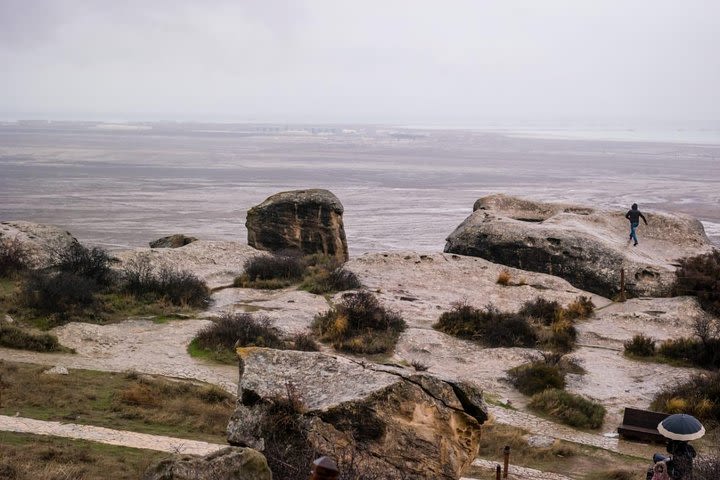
(57,370)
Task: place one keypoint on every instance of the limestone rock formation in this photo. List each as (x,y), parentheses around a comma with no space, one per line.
(379,418)
(230,463)
(306,220)
(172,241)
(38,241)
(586,246)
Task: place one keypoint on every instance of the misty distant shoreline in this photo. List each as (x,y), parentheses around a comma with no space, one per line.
(122,185)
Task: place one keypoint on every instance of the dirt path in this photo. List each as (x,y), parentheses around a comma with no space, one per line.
(539,426)
(515,472)
(109,436)
(139,345)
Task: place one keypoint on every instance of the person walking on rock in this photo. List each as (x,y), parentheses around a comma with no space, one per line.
(634,215)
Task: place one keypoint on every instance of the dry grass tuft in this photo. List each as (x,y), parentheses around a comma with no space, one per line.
(35,457)
(569,408)
(359,324)
(698,396)
(504,278)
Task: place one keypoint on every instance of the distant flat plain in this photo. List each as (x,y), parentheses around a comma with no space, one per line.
(122,186)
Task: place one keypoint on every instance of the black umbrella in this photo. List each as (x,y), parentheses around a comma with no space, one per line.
(681,427)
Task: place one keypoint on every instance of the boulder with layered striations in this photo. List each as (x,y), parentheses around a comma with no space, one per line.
(586,246)
(39,242)
(230,463)
(306,220)
(377,418)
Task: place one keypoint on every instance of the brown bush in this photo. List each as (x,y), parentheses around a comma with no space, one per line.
(535,377)
(489,326)
(581,308)
(640,346)
(178,287)
(504,278)
(139,395)
(13,257)
(698,396)
(359,324)
(700,276)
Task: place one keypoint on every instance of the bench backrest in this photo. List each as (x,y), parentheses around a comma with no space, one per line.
(643,418)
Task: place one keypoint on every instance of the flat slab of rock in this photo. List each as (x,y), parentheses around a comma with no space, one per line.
(407,425)
(57,370)
(658,318)
(421,287)
(306,220)
(172,241)
(40,242)
(586,246)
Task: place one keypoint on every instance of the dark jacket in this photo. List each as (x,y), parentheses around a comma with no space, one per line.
(681,465)
(635,215)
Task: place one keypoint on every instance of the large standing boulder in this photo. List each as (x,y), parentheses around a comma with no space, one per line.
(306,220)
(375,420)
(586,246)
(39,242)
(230,463)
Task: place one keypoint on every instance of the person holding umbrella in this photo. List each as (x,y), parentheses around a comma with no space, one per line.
(678,429)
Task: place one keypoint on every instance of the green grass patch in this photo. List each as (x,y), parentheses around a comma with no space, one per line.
(569,408)
(223,355)
(532,378)
(39,457)
(120,401)
(12,336)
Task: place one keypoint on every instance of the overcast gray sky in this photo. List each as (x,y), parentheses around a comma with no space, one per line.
(413,61)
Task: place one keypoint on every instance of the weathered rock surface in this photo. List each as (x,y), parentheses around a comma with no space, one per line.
(231,463)
(172,241)
(306,220)
(410,426)
(57,370)
(586,246)
(38,241)
(215,262)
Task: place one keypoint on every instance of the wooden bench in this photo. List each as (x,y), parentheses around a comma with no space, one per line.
(642,425)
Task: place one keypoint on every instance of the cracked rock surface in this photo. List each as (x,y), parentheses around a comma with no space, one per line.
(404,424)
